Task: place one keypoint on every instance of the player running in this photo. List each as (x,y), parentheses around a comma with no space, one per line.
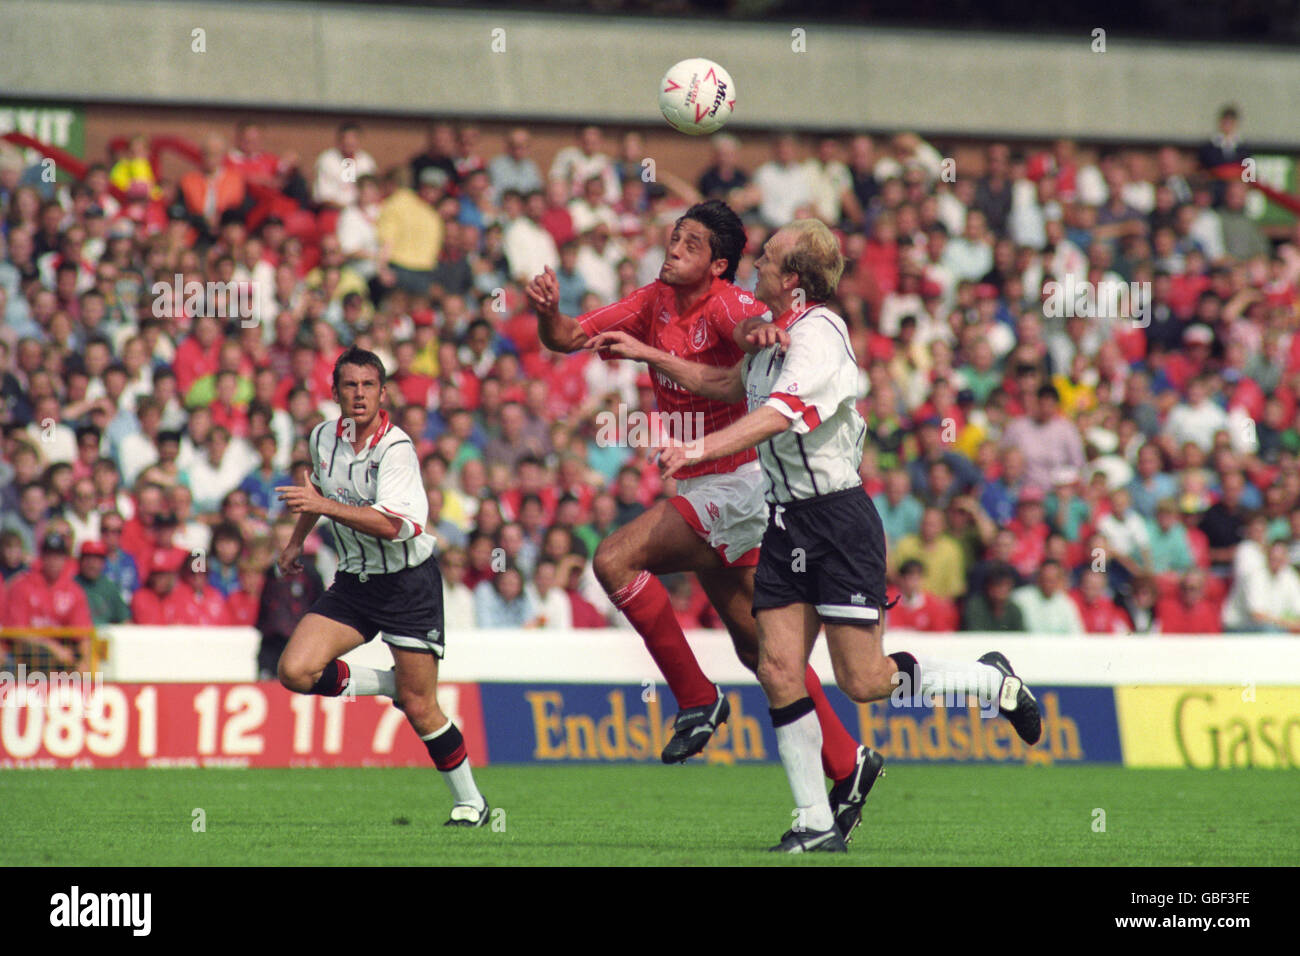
(809,436)
(715,524)
(388,581)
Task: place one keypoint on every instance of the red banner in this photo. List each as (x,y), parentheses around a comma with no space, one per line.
(218,725)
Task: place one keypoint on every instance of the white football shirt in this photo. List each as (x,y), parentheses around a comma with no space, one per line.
(814,383)
(384,475)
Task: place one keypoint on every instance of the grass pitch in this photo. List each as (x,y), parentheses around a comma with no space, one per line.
(639,815)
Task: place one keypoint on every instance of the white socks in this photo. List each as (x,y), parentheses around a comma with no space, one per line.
(447,748)
(368,682)
(799,742)
(949,679)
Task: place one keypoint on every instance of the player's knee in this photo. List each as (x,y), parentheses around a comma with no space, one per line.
(780,679)
(868,683)
(610,565)
(293,676)
(419,708)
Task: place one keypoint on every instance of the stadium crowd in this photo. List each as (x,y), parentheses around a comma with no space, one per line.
(1129,465)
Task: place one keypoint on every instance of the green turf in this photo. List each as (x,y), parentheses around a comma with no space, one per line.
(644,815)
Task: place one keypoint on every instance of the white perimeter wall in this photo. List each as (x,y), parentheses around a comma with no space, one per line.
(150,654)
(367,59)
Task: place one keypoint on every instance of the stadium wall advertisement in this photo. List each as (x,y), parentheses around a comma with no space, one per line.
(263,725)
(190,697)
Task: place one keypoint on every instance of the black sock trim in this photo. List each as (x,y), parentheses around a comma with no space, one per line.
(329,684)
(791,712)
(908,667)
(447,750)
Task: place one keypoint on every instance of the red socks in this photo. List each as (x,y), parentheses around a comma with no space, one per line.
(646,605)
(839,749)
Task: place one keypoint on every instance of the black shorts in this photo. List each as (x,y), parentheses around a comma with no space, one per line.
(830,554)
(405,607)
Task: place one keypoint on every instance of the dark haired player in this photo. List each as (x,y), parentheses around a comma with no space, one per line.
(365,478)
(801,389)
(715,523)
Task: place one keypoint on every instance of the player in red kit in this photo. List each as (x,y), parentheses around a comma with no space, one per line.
(715,523)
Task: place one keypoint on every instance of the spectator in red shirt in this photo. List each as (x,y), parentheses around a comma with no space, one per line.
(1099,613)
(48,596)
(160,601)
(199,603)
(1190,611)
(918,609)
(199,354)
(1031,531)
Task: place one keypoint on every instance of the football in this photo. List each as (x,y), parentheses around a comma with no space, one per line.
(697,96)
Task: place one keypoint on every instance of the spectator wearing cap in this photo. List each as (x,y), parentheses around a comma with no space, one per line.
(1031,529)
(47,596)
(1099,614)
(102,596)
(1049,440)
(1046,605)
(160,602)
(1189,610)
(200,604)
(940,555)
(917,609)
(990,608)
(410,231)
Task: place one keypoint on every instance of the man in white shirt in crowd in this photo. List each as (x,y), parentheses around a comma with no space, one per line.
(1267,598)
(339,167)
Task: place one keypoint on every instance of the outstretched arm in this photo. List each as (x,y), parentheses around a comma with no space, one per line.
(723,384)
(754,429)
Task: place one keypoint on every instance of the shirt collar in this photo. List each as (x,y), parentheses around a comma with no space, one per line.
(384,426)
(790,316)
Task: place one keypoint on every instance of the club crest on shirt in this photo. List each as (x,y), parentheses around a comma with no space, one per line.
(700,334)
(747,300)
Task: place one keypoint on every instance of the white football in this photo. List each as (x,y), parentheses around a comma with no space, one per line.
(697,96)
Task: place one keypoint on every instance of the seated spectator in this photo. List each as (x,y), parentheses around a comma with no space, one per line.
(917,609)
(944,569)
(102,596)
(1046,605)
(160,601)
(213,189)
(223,563)
(1099,614)
(1189,611)
(285,597)
(501,601)
(991,608)
(1265,598)
(47,596)
(1170,549)
(457,599)
(554,611)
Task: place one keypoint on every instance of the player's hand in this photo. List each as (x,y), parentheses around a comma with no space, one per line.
(543,291)
(619,345)
(289,562)
(302,499)
(766,335)
(673,458)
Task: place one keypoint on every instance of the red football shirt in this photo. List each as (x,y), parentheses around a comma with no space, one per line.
(31,601)
(703,334)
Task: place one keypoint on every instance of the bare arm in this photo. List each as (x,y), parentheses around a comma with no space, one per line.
(309,504)
(754,429)
(723,384)
(559,333)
